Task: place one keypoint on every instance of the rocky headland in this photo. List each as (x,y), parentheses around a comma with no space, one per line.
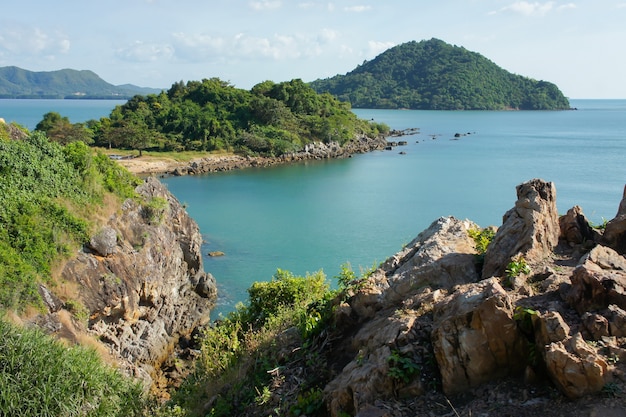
(137,291)
(484,335)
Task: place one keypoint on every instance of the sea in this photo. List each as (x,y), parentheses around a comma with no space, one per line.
(359,211)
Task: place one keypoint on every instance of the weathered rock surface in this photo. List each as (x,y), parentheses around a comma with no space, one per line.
(530,229)
(615,232)
(142,282)
(475,338)
(565,325)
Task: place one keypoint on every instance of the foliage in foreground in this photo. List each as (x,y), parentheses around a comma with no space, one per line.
(47,193)
(42,377)
(239,372)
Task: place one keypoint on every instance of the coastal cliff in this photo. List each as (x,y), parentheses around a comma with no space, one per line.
(139,285)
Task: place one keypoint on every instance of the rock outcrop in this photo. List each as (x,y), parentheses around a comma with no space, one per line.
(140,281)
(432,306)
(312,152)
(529,230)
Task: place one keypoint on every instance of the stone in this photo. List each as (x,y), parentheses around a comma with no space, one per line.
(617,321)
(598,281)
(104,242)
(442,256)
(575,228)
(596,325)
(475,337)
(550,327)
(575,367)
(529,230)
(615,231)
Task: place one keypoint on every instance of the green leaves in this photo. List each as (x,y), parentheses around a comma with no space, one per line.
(433,75)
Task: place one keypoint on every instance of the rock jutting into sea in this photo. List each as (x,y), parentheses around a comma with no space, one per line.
(142,289)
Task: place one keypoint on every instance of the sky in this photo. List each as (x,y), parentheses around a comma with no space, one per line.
(576,44)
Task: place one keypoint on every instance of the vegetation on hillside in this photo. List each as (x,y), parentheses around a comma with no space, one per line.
(46,192)
(66,83)
(243,366)
(210,115)
(433,75)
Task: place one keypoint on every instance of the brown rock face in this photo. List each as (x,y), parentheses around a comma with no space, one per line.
(615,232)
(475,338)
(530,229)
(142,279)
(598,281)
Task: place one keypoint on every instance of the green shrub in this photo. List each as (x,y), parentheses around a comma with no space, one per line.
(42,377)
(482,238)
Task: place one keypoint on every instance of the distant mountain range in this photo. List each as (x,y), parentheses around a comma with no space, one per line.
(433,75)
(63,84)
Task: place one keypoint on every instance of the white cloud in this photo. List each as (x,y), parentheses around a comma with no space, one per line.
(139,51)
(357,9)
(375,48)
(23,40)
(534,8)
(265,5)
(203,47)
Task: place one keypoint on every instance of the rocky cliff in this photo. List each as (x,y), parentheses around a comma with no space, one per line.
(139,284)
(541,316)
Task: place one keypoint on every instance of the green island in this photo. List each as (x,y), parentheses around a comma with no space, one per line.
(295,347)
(434,75)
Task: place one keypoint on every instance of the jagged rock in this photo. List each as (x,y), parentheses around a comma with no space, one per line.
(52,302)
(475,338)
(575,228)
(151,289)
(530,229)
(575,367)
(596,325)
(615,231)
(104,242)
(598,281)
(442,256)
(617,321)
(550,327)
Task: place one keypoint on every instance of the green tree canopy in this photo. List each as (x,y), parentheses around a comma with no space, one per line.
(433,75)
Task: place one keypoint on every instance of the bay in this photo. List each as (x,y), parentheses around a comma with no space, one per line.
(29,112)
(361,210)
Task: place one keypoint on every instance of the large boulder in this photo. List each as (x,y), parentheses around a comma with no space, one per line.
(615,232)
(598,281)
(575,367)
(529,230)
(475,337)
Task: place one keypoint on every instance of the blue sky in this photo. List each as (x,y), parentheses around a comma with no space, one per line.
(577,44)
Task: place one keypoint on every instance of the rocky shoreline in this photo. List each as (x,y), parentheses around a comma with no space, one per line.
(311,152)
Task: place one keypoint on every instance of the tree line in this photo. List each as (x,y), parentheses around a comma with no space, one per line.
(433,75)
(211,115)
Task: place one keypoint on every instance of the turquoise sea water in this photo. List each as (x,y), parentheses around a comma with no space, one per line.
(30,112)
(361,210)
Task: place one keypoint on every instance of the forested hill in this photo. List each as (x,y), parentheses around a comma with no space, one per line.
(67,83)
(434,75)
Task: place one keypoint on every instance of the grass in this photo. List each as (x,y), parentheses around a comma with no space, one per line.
(40,376)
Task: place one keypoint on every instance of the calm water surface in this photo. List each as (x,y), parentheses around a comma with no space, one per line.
(30,112)
(362,210)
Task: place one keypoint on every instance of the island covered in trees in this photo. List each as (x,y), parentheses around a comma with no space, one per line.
(271,119)
(434,75)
